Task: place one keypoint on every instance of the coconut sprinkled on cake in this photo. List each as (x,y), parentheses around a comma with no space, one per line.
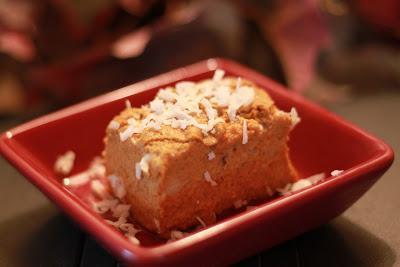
(245,137)
(114,125)
(183,105)
(142,166)
(208,178)
(201,221)
(294,116)
(211,155)
(117,186)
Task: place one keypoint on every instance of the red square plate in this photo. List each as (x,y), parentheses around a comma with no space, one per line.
(322,142)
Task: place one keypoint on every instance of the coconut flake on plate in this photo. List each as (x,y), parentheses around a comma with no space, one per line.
(76,180)
(65,163)
(337,172)
(121,210)
(301,184)
(104,205)
(176,235)
(99,190)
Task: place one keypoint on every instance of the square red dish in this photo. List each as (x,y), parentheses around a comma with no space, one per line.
(322,142)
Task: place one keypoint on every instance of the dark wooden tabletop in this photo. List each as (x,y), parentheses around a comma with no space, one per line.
(33,232)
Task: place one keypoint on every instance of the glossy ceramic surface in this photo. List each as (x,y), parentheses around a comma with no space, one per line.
(322,142)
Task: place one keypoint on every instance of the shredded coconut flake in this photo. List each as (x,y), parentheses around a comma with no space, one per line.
(133,239)
(218,75)
(128,104)
(337,172)
(176,235)
(114,125)
(121,210)
(138,171)
(104,205)
(76,180)
(142,166)
(211,155)
(186,104)
(157,106)
(239,203)
(208,178)
(245,138)
(99,189)
(201,221)
(300,184)
(295,117)
(65,163)
(117,186)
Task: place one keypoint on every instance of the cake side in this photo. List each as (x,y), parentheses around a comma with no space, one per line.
(176,175)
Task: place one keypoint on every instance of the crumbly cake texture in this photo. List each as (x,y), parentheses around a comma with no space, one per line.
(197,149)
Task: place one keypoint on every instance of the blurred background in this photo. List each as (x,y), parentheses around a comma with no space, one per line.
(343,54)
(57,52)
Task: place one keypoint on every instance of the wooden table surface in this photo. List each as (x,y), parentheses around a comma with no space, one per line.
(33,232)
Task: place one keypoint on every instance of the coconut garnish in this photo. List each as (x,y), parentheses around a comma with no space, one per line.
(218,75)
(208,178)
(104,205)
(239,203)
(337,172)
(294,116)
(99,189)
(128,104)
(245,137)
(201,221)
(300,184)
(211,155)
(117,186)
(114,125)
(176,235)
(65,163)
(181,107)
(142,166)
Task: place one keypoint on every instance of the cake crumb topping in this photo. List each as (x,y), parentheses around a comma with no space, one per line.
(301,184)
(294,116)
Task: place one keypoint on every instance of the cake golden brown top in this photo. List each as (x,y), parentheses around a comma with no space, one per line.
(210,111)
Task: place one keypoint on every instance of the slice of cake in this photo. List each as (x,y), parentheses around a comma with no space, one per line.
(196,150)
